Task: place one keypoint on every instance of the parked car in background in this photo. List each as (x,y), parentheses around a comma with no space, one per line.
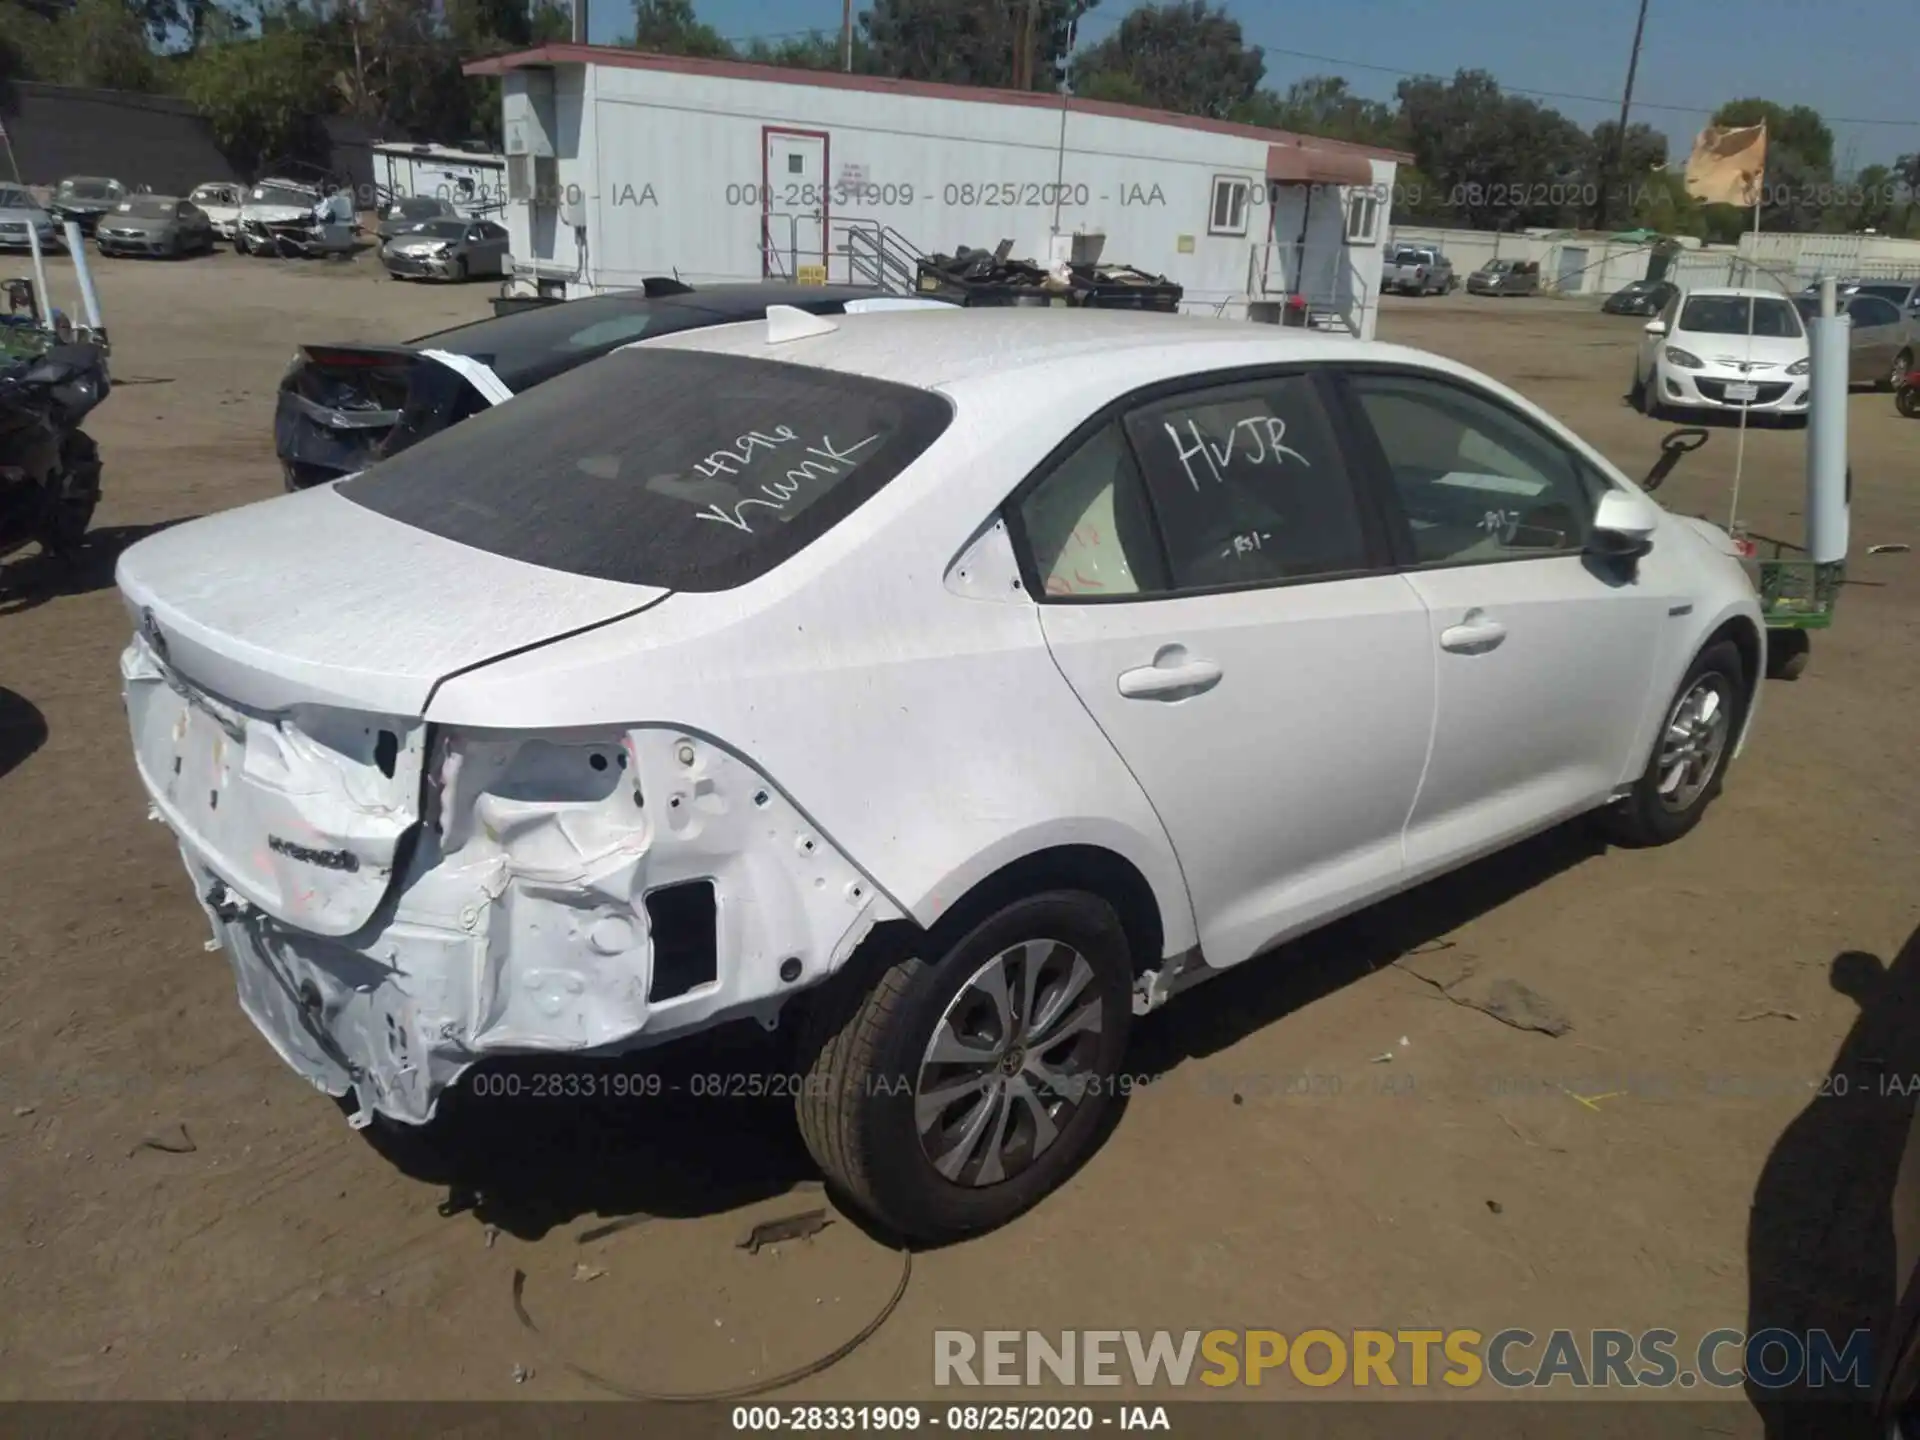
(1416,270)
(677,693)
(220,202)
(409,211)
(287,217)
(1882,340)
(450,248)
(19,213)
(1903,293)
(154,225)
(1641,297)
(1505,277)
(343,406)
(83,199)
(1723,349)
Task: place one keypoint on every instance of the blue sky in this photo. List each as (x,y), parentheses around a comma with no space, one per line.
(1846,58)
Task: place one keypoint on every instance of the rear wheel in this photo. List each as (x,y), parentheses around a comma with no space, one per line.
(1690,753)
(1907,402)
(947,1095)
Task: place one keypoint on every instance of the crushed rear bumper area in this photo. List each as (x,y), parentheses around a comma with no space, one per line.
(564,895)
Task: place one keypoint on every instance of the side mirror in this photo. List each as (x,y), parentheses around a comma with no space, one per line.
(1656,327)
(1623,526)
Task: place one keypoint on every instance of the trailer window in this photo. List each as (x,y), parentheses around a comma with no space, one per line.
(679,469)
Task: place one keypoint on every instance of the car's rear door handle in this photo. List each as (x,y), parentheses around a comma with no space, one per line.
(1474,634)
(1172,676)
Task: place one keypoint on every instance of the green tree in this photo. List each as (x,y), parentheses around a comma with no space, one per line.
(1185,56)
(1497,161)
(263,94)
(669,27)
(816,50)
(1324,105)
(101,43)
(1002,43)
(1619,169)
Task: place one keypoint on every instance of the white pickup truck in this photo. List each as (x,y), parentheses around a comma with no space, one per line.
(1416,270)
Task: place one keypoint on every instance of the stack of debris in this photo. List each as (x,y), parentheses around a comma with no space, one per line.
(989,277)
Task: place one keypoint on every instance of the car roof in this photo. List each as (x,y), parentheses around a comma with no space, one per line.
(528,346)
(934,349)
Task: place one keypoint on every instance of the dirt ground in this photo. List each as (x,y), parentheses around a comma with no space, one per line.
(1666,1163)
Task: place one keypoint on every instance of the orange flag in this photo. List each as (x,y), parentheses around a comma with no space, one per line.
(1727,165)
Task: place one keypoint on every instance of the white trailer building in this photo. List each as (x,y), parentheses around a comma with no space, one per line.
(622,165)
(473,182)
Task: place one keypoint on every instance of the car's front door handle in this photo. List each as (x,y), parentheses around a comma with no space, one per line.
(1170,677)
(1473,635)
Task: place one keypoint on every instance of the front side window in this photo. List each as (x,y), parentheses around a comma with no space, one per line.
(1475,482)
(679,469)
(1229,215)
(1249,485)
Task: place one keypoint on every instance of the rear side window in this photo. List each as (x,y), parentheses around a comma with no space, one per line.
(678,469)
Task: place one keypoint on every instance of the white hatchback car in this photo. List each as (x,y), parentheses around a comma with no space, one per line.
(1698,354)
(955,686)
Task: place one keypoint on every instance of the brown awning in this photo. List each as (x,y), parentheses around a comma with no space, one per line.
(1310,165)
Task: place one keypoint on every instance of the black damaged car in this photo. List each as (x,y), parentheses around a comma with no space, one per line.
(342,407)
(1642,297)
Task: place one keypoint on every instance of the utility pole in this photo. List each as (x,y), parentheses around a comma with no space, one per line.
(846,35)
(1618,163)
(580,22)
(1023,49)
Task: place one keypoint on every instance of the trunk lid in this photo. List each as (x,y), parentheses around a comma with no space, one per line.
(284,656)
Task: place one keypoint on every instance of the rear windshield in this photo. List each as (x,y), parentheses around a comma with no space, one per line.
(679,469)
(1727,315)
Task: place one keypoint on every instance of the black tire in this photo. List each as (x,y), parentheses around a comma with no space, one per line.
(1907,402)
(861,1055)
(76,494)
(1639,397)
(1902,365)
(1644,817)
(1787,654)
(460,271)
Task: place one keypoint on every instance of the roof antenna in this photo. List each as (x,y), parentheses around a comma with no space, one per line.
(790,322)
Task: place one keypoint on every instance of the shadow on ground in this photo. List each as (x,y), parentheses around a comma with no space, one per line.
(1820,1239)
(1225,1011)
(23,729)
(31,581)
(707,1127)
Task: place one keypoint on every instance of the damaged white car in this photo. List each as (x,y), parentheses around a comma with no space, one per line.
(954,686)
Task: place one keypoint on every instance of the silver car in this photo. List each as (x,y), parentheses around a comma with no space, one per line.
(154,225)
(19,213)
(447,249)
(1885,338)
(411,210)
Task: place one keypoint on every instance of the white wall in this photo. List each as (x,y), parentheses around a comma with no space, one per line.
(675,182)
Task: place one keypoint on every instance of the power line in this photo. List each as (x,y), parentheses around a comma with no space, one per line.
(1554,94)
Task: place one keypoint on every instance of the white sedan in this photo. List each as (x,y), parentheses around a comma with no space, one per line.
(953,687)
(1724,349)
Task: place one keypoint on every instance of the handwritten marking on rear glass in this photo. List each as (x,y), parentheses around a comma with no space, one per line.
(1265,434)
(828,461)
